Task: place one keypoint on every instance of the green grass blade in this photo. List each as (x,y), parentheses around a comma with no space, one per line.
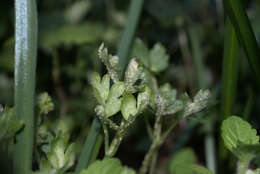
(123,49)
(25,70)
(89,145)
(128,34)
(229,81)
(229,70)
(238,16)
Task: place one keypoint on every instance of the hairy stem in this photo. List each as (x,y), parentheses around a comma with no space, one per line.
(155,145)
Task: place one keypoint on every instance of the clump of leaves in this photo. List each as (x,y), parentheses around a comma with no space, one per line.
(8,125)
(135,92)
(60,155)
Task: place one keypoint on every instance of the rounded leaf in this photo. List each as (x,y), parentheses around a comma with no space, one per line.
(236,132)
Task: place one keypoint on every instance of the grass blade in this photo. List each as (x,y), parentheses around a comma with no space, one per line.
(229,70)
(229,82)
(238,16)
(128,34)
(25,70)
(89,145)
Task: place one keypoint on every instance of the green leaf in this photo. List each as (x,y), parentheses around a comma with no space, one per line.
(169,95)
(140,52)
(128,107)
(198,169)
(159,60)
(184,163)
(8,125)
(236,133)
(107,166)
(70,34)
(183,157)
(199,102)
(113,103)
(132,74)
(110,61)
(143,98)
(101,88)
(61,156)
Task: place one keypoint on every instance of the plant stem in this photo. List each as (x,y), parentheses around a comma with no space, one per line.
(25,70)
(153,163)
(243,165)
(210,152)
(118,138)
(155,145)
(89,145)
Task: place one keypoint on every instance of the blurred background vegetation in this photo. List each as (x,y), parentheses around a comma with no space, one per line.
(192,31)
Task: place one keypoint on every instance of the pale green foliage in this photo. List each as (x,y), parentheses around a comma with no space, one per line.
(107,166)
(108,98)
(8,125)
(199,102)
(169,101)
(101,88)
(128,107)
(60,155)
(45,103)
(184,162)
(113,103)
(143,98)
(132,74)
(111,63)
(239,137)
(156,60)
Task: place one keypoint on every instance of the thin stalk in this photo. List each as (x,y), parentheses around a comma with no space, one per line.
(238,17)
(123,49)
(128,34)
(153,163)
(25,70)
(229,76)
(89,145)
(201,71)
(154,146)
